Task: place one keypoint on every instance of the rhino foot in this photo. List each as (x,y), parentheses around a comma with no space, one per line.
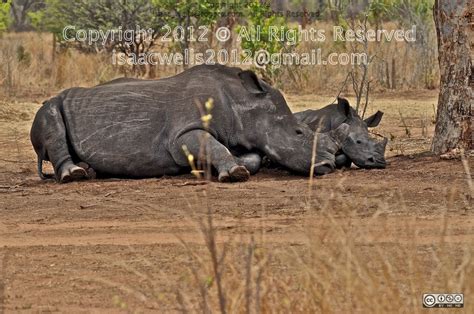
(72,173)
(235,174)
(91,174)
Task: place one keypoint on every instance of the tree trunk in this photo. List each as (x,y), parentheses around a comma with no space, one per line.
(454,120)
(304,18)
(394,75)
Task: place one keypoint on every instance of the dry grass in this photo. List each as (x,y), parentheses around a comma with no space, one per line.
(416,65)
(31,68)
(340,269)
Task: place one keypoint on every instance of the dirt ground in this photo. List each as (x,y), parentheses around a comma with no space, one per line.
(85,246)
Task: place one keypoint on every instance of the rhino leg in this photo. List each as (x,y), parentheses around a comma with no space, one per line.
(342,161)
(251,161)
(49,138)
(72,173)
(221,158)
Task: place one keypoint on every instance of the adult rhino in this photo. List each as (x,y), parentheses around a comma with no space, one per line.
(358,147)
(138,128)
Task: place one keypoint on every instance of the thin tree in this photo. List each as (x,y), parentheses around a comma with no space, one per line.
(19,13)
(454,120)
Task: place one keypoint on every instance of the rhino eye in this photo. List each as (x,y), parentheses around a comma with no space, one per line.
(299,130)
(359,142)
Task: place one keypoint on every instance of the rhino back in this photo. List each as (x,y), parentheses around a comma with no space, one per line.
(321,120)
(128,127)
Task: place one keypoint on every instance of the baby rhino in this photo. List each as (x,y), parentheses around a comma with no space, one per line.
(358,147)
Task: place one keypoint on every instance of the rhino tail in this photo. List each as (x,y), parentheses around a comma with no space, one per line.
(42,175)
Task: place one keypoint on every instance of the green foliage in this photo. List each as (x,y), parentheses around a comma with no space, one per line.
(189,12)
(414,10)
(101,15)
(104,15)
(259,20)
(52,18)
(380,10)
(4,15)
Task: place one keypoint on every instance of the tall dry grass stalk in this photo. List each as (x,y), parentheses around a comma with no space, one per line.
(467,170)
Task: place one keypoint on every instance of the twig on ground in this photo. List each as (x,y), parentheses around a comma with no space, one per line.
(192,183)
(87,206)
(16,161)
(366,99)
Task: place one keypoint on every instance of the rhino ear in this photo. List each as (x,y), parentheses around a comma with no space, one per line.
(251,83)
(344,107)
(374,119)
(340,133)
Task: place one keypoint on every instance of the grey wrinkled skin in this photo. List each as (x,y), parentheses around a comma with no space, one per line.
(327,146)
(137,128)
(358,147)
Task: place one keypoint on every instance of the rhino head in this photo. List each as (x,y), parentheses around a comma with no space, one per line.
(270,126)
(359,146)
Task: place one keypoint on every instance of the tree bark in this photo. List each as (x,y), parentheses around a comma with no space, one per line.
(454,121)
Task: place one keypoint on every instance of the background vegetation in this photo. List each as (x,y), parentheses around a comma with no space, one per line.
(36,59)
